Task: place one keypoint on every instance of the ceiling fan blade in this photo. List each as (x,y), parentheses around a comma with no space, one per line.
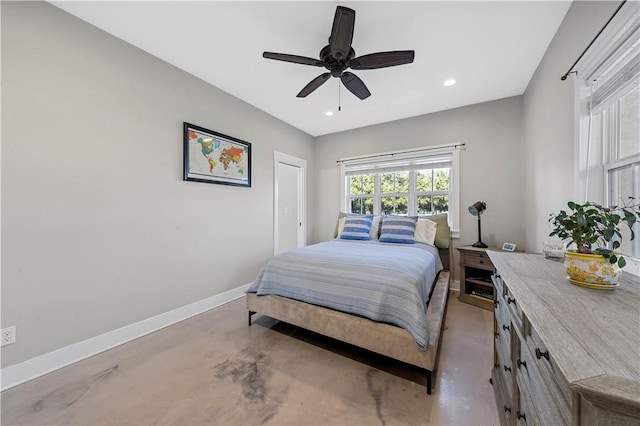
(303,60)
(342,32)
(355,85)
(313,85)
(382,60)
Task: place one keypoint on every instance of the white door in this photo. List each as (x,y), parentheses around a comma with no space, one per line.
(289,203)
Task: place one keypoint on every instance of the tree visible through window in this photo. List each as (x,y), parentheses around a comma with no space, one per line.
(432,190)
(394,193)
(425,191)
(361,189)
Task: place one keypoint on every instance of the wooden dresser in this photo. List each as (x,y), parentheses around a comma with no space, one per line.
(563,354)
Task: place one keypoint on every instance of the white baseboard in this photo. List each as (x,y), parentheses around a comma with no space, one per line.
(35,367)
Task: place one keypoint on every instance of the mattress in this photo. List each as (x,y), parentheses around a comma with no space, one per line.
(383,282)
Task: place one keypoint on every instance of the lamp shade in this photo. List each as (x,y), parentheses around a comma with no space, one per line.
(477,208)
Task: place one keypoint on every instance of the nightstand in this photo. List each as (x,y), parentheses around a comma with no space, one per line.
(476,287)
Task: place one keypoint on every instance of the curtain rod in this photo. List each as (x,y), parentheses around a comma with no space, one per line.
(457,145)
(564,77)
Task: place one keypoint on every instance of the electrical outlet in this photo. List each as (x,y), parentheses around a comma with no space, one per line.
(8,335)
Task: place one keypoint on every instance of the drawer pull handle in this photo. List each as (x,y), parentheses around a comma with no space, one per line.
(507,368)
(496,302)
(522,363)
(507,409)
(510,300)
(496,334)
(496,365)
(540,354)
(505,327)
(522,416)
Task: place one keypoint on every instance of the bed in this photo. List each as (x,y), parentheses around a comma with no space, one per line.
(384,297)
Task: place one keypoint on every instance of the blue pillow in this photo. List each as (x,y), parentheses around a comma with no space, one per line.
(398,229)
(356,227)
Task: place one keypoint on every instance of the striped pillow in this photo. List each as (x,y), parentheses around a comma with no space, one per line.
(398,229)
(356,227)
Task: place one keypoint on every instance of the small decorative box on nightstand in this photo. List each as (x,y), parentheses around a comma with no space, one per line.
(476,287)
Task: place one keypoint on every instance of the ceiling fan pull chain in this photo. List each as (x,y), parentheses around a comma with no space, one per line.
(339,98)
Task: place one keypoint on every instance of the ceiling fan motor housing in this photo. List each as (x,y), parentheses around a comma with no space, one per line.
(335,66)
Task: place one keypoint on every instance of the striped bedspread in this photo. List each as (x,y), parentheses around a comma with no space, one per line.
(384,282)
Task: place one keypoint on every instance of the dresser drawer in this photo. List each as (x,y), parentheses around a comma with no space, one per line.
(546,401)
(478,260)
(502,338)
(545,363)
(505,367)
(524,414)
(512,307)
(502,391)
(497,282)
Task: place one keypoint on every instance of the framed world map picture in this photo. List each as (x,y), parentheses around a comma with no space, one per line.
(212,157)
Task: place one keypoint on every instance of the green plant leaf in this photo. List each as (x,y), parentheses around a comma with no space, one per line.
(608,234)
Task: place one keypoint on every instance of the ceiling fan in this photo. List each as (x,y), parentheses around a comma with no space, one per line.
(338,56)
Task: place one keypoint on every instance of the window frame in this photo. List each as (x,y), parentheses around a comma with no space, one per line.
(412,160)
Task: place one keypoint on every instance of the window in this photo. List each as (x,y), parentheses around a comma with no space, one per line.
(622,168)
(361,193)
(432,190)
(394,193)
(415,182)
(608,101)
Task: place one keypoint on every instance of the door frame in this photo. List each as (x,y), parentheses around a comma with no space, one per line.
(290,160)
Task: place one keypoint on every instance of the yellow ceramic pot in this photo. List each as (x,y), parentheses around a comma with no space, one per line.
(591,269)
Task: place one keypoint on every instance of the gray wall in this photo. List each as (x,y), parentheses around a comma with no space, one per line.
(490,167)
(548,120)
(98,229)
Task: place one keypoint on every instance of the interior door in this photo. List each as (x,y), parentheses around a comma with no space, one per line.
(289,217)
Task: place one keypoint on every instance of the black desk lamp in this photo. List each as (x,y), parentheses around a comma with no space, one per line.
(476,209)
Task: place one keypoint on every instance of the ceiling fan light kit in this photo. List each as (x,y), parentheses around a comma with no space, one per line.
(338,56)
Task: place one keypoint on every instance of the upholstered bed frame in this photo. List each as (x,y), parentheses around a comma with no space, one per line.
(382,338)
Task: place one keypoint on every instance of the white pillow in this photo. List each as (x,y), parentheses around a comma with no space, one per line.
(425,231)
(341,226)
(375,225)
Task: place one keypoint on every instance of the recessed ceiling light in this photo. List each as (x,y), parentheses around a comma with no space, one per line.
(450,82)
(328,113)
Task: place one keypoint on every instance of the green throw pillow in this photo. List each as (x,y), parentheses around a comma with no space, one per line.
(443,233)
(340,216)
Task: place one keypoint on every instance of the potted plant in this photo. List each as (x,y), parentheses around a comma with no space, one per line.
(596,233)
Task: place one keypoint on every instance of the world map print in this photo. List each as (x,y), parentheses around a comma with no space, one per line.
(212,156)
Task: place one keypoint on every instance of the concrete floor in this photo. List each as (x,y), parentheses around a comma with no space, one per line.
(214,369)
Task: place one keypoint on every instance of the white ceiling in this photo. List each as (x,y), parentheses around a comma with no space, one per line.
(491,48)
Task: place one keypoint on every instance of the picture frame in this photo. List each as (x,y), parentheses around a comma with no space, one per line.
(212,157)
(509,247)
